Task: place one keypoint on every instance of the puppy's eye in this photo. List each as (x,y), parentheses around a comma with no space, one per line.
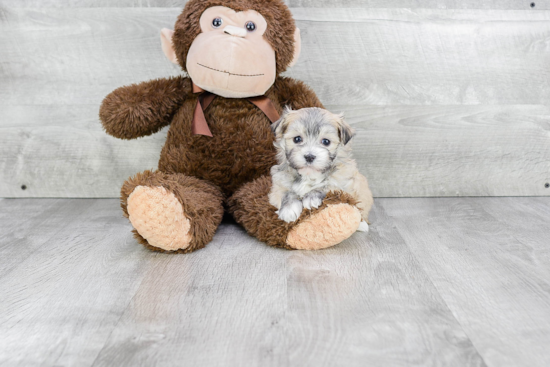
(217,22)
(298,139)
(325,142)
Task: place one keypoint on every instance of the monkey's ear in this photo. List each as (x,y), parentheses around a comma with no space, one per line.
(297,47)
(346,131)
(167,45)
(279,126)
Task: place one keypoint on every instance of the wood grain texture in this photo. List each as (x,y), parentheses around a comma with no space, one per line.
(367,302)
(390,56)
(218,306)
(62,151)
(416,151)
(491,271)
(527,220)
(429,4)
(61,299)
(60,4)
(459,96)
(57,151)
(425,56)
(22,237)
(78,56)
(413,4)
(90,295)
(278,308)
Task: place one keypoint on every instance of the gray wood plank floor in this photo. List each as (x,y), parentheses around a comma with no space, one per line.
(436,282)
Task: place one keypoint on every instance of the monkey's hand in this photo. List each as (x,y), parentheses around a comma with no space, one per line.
(142,109)
(313,199)
(291,208)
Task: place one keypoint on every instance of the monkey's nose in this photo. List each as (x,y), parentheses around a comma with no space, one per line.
(309,158)
(235,31)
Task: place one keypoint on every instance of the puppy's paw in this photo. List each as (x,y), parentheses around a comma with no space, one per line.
(313,200)
(291,211)
(363,227)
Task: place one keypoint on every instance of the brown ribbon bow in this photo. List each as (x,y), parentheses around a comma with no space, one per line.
(200,126)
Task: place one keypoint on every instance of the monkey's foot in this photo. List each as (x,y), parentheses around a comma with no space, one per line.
(326,228)
(158,217)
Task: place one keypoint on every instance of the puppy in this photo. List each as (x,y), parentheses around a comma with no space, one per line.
(314,158)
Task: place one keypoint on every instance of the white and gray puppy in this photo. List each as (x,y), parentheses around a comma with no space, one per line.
(314,158)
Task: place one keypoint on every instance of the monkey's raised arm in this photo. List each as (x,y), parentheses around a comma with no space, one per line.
(296,94)
(143,109)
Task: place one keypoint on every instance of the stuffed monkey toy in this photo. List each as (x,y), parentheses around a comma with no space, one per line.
(219,149)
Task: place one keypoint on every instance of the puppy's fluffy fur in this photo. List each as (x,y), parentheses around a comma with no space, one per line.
(314,158)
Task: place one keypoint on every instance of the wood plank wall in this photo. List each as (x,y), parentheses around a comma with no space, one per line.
(449,97)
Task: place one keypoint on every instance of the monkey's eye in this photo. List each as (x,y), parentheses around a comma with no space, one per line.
(298,139)
(325,142)
(250,26)
(217,22)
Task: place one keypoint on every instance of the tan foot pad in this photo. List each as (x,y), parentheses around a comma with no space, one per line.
(327,228)
(158,217)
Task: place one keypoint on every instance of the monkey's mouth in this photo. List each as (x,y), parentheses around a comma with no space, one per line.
(227,72)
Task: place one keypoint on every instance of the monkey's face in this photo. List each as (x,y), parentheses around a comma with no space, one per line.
(231,57)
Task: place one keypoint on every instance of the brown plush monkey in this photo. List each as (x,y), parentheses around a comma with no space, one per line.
(219,148)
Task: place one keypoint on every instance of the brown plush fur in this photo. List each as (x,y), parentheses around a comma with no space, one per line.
(241,149)
(250,207)
(201,202)
(279,33)
(142,109)
(199,170)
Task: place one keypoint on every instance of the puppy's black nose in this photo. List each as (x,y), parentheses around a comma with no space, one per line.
(309,158)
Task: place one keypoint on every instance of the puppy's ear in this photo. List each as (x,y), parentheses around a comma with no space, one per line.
(279,126)
(346,131)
